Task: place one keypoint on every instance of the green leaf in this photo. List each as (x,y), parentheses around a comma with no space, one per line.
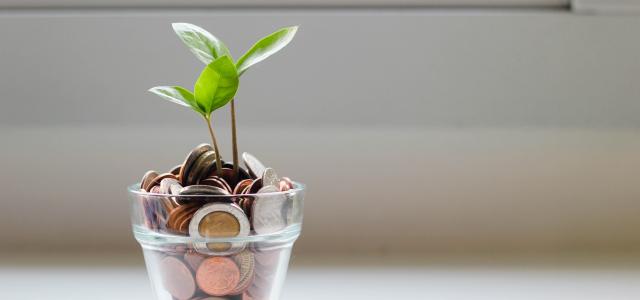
(266,47)
(202,44)
(178,95)
(216,85)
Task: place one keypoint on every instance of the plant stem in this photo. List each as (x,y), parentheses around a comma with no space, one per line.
(234,140)
(215,147)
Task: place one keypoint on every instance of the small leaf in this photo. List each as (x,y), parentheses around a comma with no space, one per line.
(176,94)
(266,47)
(202,44)
(216,85)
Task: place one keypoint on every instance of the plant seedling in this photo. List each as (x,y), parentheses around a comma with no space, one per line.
(216,86)
(207,48)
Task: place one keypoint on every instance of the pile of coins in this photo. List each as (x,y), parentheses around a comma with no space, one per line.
(248,275)
(198,200)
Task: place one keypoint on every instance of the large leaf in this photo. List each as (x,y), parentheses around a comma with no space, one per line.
(216,85)
(266,47)
(176,94)
(203,44)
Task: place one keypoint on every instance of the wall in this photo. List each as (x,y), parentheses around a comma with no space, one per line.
(415,130)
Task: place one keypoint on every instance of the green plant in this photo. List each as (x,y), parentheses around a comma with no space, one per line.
(218,82)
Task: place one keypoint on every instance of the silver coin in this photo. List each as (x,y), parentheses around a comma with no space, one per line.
(269,177)
(165,185)
(268,213)
(254,166)
(175,188)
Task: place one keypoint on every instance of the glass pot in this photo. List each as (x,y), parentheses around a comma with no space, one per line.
(199,247)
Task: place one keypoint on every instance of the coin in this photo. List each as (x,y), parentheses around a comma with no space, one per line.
(203,190)
(267,212)
(182,222)
(217,276)
(227,175)
(191,158)
(246,265)
(217,182)
(177,215)
(288,181)
(255,186)
(177,278)
(283,186)
(175,170)
(242,172)
(146,179)
(201,167)
(219,220)
(254,166)
(175,189)
(193,259)
(165,185)
(156,181)
(241,186)
(269,177)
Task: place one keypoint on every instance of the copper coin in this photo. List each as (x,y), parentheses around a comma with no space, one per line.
(242,173)
(288,181)
(182,223)
(217,182)
(175,170)
(156,181)
(201,167)
(283,186)
(217,276)
(178,214)
(254,166)
(191,158)
(255,186)
(146,179)
(227,175)
(241,186)
(177,278)
(246,190)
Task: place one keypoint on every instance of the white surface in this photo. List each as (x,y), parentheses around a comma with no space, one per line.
(316,280)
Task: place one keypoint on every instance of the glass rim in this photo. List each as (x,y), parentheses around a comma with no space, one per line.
(136,190)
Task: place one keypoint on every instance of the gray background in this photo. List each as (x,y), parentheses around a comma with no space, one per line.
(416,130)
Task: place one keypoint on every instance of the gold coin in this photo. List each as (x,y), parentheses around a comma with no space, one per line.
(219,224)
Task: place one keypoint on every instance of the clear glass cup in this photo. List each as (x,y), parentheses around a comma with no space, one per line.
(201,247)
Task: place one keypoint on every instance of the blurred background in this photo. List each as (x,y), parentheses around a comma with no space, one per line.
(479,148)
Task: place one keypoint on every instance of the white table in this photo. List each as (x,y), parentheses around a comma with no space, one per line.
(311,278)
